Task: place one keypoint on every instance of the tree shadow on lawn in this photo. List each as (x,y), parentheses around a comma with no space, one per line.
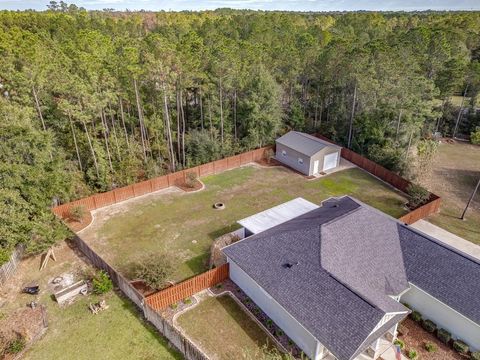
(199,263)
(224,230)
(129,306)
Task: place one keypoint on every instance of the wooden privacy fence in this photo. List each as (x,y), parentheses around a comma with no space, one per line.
(181,342)
(162,182)
(431,207)
(187,288)
(176,338)
(116,277)
(8,269)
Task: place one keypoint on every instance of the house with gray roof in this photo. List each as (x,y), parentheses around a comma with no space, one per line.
(306,153)
(335,276)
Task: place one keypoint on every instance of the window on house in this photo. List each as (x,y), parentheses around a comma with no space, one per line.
(300,160)
(284,153)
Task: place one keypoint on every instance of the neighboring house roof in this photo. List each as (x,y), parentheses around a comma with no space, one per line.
(304,143)
(346,259)
(442,271)
(279,214)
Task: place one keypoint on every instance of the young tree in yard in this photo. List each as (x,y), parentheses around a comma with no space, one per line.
(156,270)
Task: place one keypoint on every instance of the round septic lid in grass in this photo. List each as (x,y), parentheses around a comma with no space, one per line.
(219,206)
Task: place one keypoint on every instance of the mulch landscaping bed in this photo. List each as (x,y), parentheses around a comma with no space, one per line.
(171,311)
(272,328)
(415,337)
(197,185)
(76,226)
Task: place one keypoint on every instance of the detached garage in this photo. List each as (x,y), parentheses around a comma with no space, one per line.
(307,154)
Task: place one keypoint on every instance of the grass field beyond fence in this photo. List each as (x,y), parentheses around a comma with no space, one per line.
(186,223)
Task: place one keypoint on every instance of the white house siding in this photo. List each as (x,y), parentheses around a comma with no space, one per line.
(320,157)
(291,159)
(444,316)
(276,312)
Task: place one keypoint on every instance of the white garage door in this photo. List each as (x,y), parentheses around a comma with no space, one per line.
(330,161)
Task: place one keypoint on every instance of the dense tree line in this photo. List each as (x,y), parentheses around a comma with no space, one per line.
(95,100)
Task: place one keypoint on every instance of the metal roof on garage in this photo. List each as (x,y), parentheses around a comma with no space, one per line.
(277,215)
(304,143)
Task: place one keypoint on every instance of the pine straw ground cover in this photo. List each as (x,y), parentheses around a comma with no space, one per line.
(415,337)
(186,223)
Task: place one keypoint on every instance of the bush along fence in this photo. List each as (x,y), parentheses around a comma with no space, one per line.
(8,269)
(151,305)
(162,182)
(432,206)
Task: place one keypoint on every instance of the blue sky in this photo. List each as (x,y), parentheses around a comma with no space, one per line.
(299,5)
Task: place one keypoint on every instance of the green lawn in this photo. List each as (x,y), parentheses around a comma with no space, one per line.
(456,171)
(186,224)
(116,333)
(221,328)
(73,331)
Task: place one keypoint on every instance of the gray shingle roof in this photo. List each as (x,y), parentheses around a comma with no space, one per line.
(350,257)
(339,312)
(445,273)
(304,143)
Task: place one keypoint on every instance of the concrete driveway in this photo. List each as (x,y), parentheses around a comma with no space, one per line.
(448,238)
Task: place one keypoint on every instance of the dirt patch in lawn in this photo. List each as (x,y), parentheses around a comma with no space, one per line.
(415,337)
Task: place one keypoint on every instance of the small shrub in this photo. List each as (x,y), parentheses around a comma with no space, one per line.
(475,355)
(187,301)
(475,136)
(219,286)
(429,326)
(290,342)
(416,316)
(400,343)
(460,346)
(418,195)
(269,155)
(173,306)
(16,345)
(430,347)
(269,323)
(407,306)
(76,213)
(191,179)
(102,283)
(279,332)
(155,270)
(444,336)
(412,354)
